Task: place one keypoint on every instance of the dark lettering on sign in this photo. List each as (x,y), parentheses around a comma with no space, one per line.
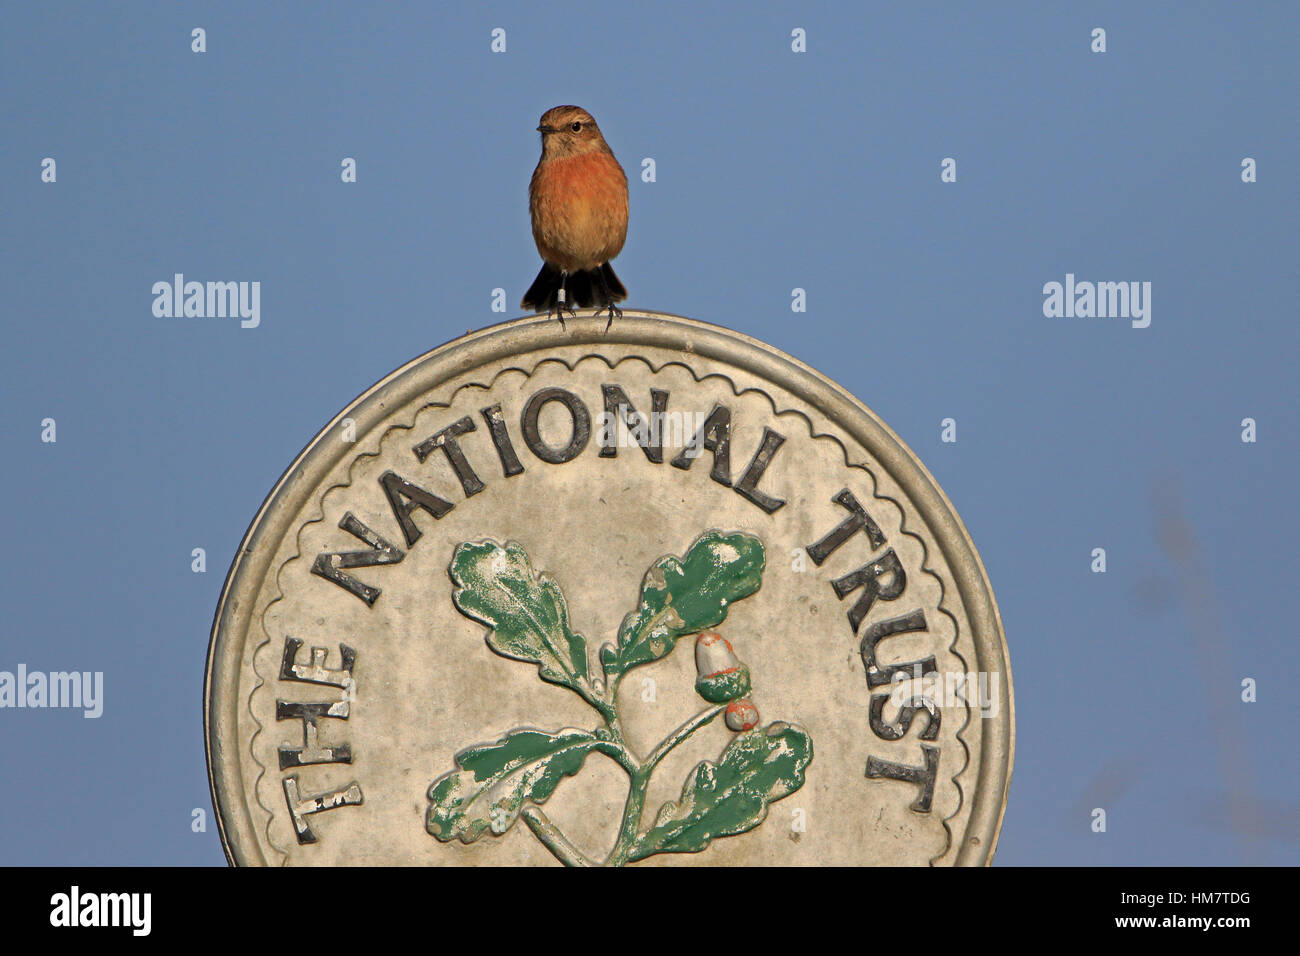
(316,672)
(868,578)
(858,520)
(649,435)
(747,487)
(906,713)
(405,496)
(877,676)
(446,440)
(578,414)
(311,752)
(923,776)
(330,566)
(884,579)
(496,423)
(396,488)
(714,436)
(300,806)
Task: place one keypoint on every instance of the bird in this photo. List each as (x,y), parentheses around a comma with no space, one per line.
(578,202)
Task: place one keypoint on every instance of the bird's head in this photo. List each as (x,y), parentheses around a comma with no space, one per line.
(569,131)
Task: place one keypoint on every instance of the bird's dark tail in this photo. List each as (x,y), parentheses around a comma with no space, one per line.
(583,290)
(616,290)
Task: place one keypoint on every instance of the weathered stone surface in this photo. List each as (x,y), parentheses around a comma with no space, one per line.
(407,664)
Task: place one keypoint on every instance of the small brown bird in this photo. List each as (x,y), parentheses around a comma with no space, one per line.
(578,201)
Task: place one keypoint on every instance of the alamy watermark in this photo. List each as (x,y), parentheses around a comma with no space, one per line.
(949,689)
(83,690)
(208,300)
(1102,300)
(75,908)
(627,427)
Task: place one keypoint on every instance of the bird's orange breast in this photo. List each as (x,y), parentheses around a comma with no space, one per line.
(579,210)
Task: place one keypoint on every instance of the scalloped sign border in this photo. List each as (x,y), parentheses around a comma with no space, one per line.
(233,624)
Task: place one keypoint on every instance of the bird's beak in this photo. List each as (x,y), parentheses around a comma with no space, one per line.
(545,129)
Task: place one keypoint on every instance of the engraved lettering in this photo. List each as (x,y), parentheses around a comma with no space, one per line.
(906,714)
(330,566)
(312,752)
(578,414)
(876,676)
(924,776)
(648,435)
(715,436)
(868,578)
(747,487)
(858,520)
(300,807)
(316,672)
(446,440)
(496,423)
(396,488)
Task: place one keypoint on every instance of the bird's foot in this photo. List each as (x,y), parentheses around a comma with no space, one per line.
(558,312)
(614,313)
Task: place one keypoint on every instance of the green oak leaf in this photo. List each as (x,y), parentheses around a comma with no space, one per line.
(496,780)
(686,596)
(525,610)
(731,796)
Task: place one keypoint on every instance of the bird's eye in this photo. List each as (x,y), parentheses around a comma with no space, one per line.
(576,127)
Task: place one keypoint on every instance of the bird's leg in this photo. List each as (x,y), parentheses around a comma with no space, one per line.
(614,311)
(561,301)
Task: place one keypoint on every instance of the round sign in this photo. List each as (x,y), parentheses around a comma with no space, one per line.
(662,595)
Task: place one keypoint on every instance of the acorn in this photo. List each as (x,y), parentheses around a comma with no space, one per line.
(721,677)
(741,715)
